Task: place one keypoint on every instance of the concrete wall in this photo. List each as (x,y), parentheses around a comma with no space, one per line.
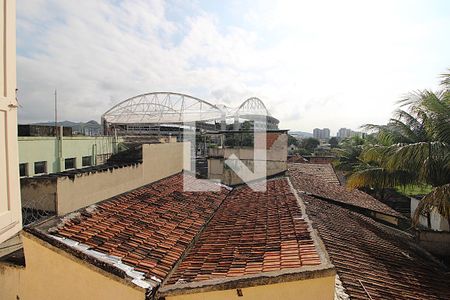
(218,170)
(436,242)
(276,159)
(33,149)
(437,221)
(51,273)
(317,288)
(86,188)
(89,188)
(39,193)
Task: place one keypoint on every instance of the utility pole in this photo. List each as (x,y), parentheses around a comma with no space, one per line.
(56,113)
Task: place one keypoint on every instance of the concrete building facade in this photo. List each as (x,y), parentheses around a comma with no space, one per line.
(347,133)
(321,134)
(49,154)
(276,158)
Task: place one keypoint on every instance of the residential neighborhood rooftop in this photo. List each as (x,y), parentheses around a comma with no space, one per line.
(251,233)
(147,229)
(160,233)
(373,260)
(324,171)
(315,185)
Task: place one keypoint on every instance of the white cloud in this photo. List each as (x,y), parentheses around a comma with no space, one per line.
(315,64)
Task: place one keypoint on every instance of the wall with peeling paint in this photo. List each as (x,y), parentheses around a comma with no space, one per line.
(51,273)
(317,288)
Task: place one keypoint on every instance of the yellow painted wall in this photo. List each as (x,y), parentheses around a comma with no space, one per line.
(51,274)
(310,289)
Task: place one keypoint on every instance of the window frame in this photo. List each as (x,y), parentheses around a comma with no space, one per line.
(45,167)
(86,157)
(27,171)
(74,159)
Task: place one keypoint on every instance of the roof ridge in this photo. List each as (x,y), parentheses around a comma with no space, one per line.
(194,241)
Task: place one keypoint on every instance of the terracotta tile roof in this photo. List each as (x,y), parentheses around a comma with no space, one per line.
(316,186)
(252,232)
(148,228)
(324,171)
(296,158)
(386,261)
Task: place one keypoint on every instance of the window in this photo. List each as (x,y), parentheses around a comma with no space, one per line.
(86,161)
(70,163)
(40,167)
(23,169)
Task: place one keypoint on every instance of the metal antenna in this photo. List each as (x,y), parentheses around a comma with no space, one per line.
(56,113)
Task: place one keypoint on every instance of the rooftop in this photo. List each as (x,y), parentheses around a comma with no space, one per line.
(159,233)
(325,187)
(251,233)
(147,229)
(324,171)
(375,261)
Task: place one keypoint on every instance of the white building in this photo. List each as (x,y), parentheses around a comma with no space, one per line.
(321,134)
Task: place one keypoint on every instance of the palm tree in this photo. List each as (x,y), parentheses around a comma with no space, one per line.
(414,147)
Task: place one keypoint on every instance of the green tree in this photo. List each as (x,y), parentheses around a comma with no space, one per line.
(413,148)
(310,144)
(333,142)
(293,141)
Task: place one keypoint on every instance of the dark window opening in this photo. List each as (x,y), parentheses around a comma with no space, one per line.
(40,167)
(70,163)
(23,169)
(86,161)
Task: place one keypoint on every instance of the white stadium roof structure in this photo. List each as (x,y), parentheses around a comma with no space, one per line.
(168,109)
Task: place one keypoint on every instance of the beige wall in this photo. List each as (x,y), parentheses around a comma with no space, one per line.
(89,188)
(84,189)
(10,212)
(310,289)
(216,170)
(51,273)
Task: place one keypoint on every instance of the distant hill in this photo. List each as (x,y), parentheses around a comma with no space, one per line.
(301,134)
(91,127)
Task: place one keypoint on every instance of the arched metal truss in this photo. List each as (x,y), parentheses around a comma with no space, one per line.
(253,106)
(162,107)
(174,108)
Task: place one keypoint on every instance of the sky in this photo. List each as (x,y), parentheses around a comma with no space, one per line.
(313,63)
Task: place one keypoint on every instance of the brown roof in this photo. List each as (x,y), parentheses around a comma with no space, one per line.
(323,171)
(373,257)
(252,232)
(296,158)
(317,186)
(148,228)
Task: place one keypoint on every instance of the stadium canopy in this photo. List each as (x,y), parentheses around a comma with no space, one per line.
(174,108)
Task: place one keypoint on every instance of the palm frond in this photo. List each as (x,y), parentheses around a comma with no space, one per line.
(438,200)
(427,159)
(379,178)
